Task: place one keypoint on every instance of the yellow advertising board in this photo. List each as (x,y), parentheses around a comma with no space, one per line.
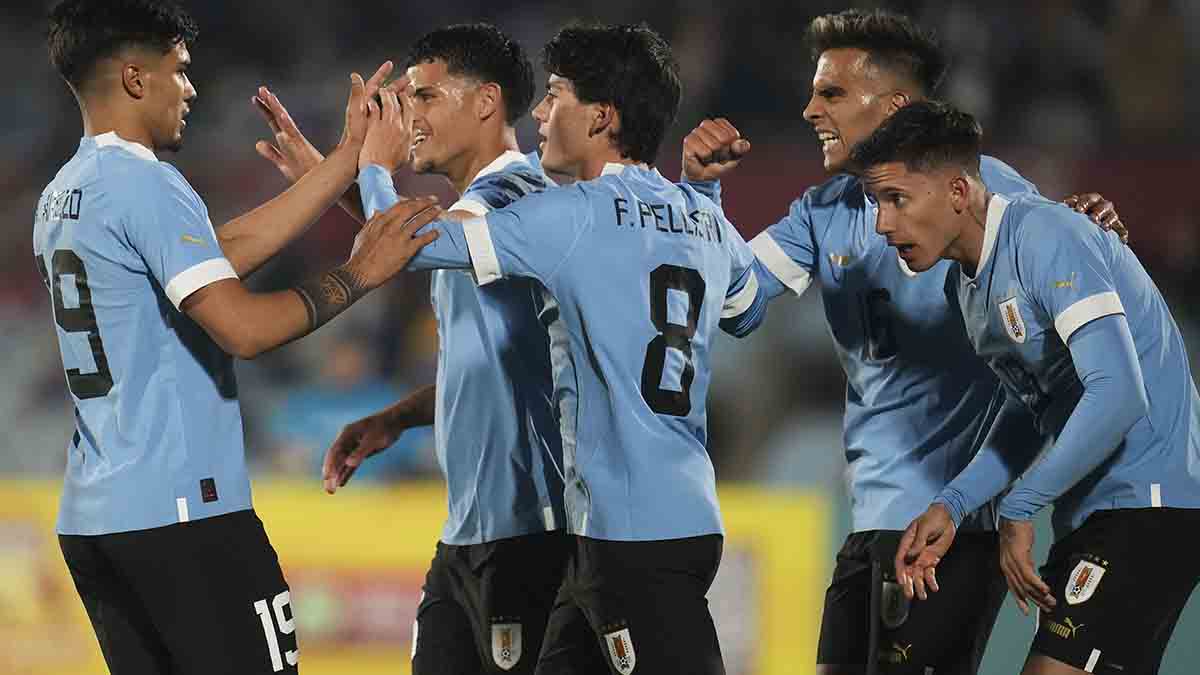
(356,562)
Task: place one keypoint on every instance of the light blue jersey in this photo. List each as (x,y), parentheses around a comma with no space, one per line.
(638,273)
(495,431)
(1048,276)
(918,400)
(121,240)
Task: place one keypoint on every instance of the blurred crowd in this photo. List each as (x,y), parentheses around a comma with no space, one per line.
(1079,95)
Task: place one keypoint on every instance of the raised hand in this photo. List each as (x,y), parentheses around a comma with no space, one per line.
(389,240)
(921,548)
(1016,561)
(712,149)
(389,137)
(1101,211)
(291,152)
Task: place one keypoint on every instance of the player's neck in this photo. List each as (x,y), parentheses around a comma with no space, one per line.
(488,150)
(99,118)
(968,248)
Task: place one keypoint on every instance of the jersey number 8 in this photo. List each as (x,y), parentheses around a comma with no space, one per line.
(684,280)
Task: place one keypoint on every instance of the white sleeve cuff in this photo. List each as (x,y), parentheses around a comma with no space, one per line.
(1088,309)
(470,206)
(483,253)
(740,301)
(196,277)
(775,259)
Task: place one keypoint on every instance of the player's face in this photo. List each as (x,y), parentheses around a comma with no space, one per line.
(563,123)
(850,99)
(916,212)
(442,120)
(169,94)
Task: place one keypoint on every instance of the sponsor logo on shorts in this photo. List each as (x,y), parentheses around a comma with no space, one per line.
(1010,314)
(897,653)
(893,609)
(1065,630)
(620,650)
(506,645)
(1083,581)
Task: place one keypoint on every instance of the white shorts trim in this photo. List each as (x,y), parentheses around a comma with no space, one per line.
(774,258)
(182,507)
(1092,661)
(483,253)
(196,277)
(1088,309)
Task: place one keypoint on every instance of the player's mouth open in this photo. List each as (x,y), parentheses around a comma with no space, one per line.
(827,138)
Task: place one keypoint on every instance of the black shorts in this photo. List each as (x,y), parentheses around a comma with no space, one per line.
(204,597)
(866,611)
(627,604)
(494,596)
(1120,582)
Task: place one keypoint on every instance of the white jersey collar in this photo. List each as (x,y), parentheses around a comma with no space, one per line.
(112,139)
(616,167)
(991,229)
(507,157)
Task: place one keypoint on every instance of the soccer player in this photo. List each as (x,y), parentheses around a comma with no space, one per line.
(156,524)
(918,400)
(636,273)
(502,552)
(1081,338)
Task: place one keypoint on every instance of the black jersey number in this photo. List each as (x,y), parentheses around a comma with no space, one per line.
(877,318)
(677,336)
(81,319)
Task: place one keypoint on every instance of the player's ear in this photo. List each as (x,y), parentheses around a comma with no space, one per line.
(133,78)
(898,100)
(960,193)
(488,101)
(604,119)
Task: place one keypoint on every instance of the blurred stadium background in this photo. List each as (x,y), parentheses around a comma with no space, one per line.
(1079,95)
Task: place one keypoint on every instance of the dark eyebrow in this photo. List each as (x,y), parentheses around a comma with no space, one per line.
(424,91)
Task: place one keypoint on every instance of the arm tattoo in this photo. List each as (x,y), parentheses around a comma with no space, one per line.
(329,294)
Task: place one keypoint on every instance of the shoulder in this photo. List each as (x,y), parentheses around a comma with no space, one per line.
(1036,218)
(1000,177)
(833,192)
(140,179)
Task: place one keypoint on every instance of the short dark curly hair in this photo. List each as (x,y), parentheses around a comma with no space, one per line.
(892,41)
(82,32)
(481,51)
(925,135)
(629,66)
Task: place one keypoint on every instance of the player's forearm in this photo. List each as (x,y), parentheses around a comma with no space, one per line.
(246,324)
(250,240)
(1009,448)
(414,410)
(708,188)
(1113,400)
(449,251)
